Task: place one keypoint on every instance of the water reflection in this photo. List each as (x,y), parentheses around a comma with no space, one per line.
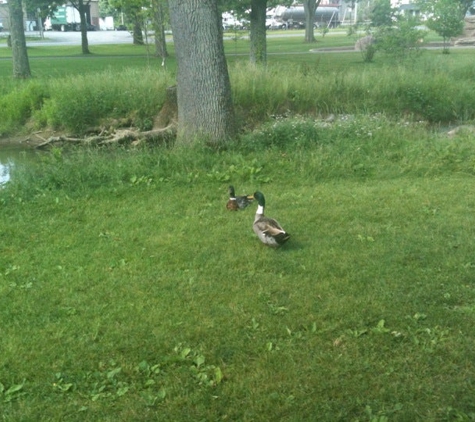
(9,155)
(5,172)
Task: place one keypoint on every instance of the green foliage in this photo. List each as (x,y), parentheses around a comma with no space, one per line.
(444,17)
(402,40)
(394,33)
(383,14)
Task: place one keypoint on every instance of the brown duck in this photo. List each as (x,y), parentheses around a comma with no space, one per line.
(237,202)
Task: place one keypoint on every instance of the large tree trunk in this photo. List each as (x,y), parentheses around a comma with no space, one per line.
(205,108)
(310,7)
(21,65)
(258,50)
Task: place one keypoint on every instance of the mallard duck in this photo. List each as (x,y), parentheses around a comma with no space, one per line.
(237,202)
(269,231)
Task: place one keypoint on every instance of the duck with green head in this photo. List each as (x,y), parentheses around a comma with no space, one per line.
(269,231)
(237,202)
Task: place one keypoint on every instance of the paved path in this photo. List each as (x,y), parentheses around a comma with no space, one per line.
(52,38)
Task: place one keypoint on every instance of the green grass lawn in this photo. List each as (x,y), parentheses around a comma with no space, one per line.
(280,47)
(128,292)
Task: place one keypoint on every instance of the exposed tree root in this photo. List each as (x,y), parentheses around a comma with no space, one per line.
(120,136)
(165,127)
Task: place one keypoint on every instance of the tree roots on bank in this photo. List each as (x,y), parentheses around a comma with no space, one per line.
(121,132)
(104,137)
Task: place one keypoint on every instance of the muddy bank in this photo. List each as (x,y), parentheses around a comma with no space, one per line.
(31,140)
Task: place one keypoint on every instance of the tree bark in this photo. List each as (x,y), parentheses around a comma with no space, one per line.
(21,64)
(159,27)
(310,7)
(137,34)
(258,49)
(84,40)
(81,7)
(205,108)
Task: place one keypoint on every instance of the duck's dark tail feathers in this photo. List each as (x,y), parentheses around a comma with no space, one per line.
(281,238)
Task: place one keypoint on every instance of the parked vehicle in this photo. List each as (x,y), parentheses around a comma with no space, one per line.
(66,18)
(274,18)
(231,22)
(294,16)
(275,23)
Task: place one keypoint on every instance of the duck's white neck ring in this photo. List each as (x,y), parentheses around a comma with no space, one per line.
(260,209)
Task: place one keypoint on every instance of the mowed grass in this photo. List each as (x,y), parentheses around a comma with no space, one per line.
(170,309)
(129,292)
(282,47)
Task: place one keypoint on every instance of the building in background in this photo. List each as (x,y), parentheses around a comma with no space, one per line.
(32,22)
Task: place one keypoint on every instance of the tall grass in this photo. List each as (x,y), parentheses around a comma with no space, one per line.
(435,88)
(79,102)
(419,92)
(357,147)
(18,105)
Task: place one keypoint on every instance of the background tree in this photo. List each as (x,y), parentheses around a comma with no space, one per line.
(39,8)
(21,64)
(466,5)
(106,9)
(159,12)
(258,47)
(205,107)
(402,39)
(82,6)
(383,14)
(255,11)
(446,17)
(310,7)
(135,14)
(389,31)
(134,10)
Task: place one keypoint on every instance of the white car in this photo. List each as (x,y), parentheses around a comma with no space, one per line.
(231,22)
(272,23)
